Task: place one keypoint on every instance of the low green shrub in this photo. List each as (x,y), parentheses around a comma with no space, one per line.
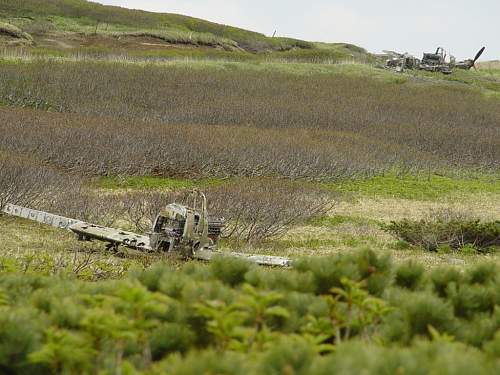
(433,234)
(171,338)
(230,271)
(444,277)
(479,330)
(287,357)
(422,358)
(482,273)
(351,313)
(468,300)
(409,275)
(422,310)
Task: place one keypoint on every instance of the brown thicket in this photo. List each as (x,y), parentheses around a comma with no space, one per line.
(177,121)
(260,209)
(79,202)
(104,146)
(141,208)
(25,183)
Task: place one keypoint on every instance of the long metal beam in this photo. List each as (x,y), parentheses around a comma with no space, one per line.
(263,260)
(56,221)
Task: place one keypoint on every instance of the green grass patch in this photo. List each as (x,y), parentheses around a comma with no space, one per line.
(334,221)
(485,80)
(84,16)
(309,243)
(151,182)
(418,187)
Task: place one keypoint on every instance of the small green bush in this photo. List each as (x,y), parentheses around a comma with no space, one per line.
(443,277)
(230,270)
(151,278)
(206,362)
(323,316)
(478,331)
(288,357)
(422,358)
(423,310)
(409,275)
(453,232)
(468,300)
(482,273)
(20,334)
(328,272)
(170,338)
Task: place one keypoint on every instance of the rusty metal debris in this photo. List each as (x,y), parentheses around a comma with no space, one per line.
(440,61)
(185,229)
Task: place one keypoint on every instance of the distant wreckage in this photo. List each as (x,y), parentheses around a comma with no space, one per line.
(439,61)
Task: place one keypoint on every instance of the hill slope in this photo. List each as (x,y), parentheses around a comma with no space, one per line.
(80,24)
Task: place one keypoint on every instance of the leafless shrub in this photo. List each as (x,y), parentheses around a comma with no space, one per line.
(260,209)
(84,204)
(24,182)
(104,146)
(141,208)
(182,121)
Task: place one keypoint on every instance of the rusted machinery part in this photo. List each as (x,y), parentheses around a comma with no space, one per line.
(111,235)
(263,260)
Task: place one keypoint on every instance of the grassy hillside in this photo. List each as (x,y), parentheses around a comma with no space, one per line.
(61,26)
(388,183)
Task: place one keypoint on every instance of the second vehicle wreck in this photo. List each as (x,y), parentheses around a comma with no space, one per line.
(185,229)
(439,61)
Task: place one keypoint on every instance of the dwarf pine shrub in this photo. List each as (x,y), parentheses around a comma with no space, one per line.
(452,232)
(421,310)
(444,277)
(468,300)
(20,334)
(482,273)
(230,270)
(328,272)
(152,277)
(409,275)
(287,357)
(322,316)
(171,338)
(477,331)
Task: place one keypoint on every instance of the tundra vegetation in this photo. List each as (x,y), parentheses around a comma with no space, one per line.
(348,313)
(384,189)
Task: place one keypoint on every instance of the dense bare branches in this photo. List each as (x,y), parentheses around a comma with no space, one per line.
(259,209)
(79,202)
(193,122)
(103,146)
(26,183)
(141,208)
